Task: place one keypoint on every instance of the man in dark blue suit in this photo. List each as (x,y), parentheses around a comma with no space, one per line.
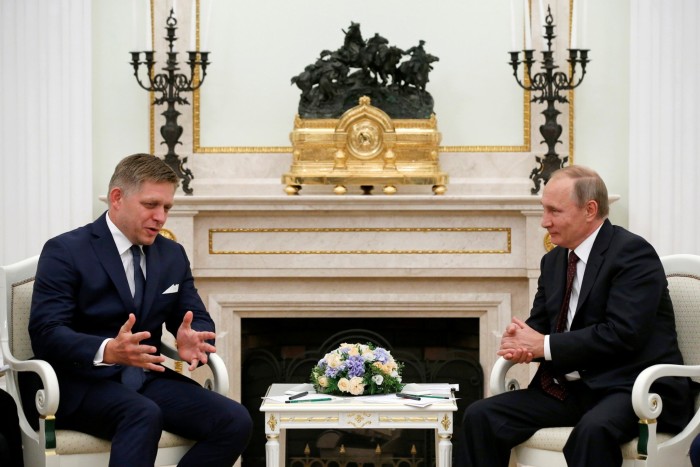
(602,314)
(10,434)
(101,296)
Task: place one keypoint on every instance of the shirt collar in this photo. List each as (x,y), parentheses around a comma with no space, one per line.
(123,243)
(583,251)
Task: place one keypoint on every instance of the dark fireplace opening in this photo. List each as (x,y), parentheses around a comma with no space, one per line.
(284,350)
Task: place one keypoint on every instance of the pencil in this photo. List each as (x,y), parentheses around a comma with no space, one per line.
(298,395)
(309,400)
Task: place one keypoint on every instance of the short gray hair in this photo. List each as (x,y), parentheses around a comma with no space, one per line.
(587,186)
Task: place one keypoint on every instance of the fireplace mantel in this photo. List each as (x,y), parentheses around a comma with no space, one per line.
(405,256)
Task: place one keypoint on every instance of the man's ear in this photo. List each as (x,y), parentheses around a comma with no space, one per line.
(591,210)
(115,196)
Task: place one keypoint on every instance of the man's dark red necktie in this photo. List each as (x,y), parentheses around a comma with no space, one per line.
(552,384)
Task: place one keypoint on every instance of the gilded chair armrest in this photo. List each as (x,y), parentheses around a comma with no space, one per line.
(46,399)
(497,382)
(220,381)
(648,405)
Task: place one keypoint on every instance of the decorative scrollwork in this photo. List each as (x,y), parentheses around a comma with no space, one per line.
(40,401)
(359,419)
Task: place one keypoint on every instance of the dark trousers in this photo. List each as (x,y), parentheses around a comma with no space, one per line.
(695,452)
(602,422)
(10,437)
(133,421)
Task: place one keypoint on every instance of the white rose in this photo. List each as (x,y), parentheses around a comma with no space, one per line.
(357,387)
(333,360)
(344,385)
(378,379)
(368,355)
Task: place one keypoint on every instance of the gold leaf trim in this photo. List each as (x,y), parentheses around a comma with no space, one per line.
(168,234)
(309,419)
(272,422)
(446,422)
(359,419)
(407,419)
(547,241)
(212,251)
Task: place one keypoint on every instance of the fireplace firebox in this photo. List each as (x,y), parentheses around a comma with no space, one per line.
(284,350)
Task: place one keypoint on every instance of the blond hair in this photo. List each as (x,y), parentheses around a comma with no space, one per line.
(133,170)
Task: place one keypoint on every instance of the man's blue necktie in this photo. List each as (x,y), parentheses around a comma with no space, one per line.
(139,279)
(133,376)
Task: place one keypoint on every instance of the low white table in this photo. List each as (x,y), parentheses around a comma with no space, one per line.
(351,414)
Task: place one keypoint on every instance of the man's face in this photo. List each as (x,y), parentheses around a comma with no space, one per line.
(140,215)
(568,225)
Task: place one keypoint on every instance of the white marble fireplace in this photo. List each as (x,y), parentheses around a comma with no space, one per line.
(365,257)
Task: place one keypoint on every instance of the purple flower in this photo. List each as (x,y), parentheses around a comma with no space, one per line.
(355,365)
(381,355)
(332,372)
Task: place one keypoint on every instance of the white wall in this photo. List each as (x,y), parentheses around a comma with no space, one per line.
(45,122)
(602,102)
(120,106)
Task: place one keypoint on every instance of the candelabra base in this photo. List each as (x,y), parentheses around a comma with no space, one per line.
(547,165)
(183,173)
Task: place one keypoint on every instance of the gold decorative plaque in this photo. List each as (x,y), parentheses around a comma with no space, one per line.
(365,147)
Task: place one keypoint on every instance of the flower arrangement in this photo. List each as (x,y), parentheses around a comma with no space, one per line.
(357,369)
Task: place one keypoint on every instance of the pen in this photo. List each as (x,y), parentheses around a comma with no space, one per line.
(437,397)
(310,400)
(408,396)
(298,395)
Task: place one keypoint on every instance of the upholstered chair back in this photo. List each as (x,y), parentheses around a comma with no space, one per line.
(18,319)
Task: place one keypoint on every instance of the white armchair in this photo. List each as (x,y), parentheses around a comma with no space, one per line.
(47,447)
(651,449)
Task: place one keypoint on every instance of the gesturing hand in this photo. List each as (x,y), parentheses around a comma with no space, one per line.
(192,346)
(126,349)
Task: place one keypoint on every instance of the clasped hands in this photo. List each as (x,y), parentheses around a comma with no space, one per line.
(520,343)
(126,347)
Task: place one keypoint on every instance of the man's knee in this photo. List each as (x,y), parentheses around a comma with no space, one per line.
(145,414)
(477,410)
(238,421)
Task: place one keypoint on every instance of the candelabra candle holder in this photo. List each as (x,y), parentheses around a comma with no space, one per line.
(170,85)
(549,83)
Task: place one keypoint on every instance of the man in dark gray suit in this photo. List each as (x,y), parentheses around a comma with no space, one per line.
(101,296)
(602,314)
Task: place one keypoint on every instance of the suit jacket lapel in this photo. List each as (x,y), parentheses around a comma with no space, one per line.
(106,251)
(595,261)
(152,277)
